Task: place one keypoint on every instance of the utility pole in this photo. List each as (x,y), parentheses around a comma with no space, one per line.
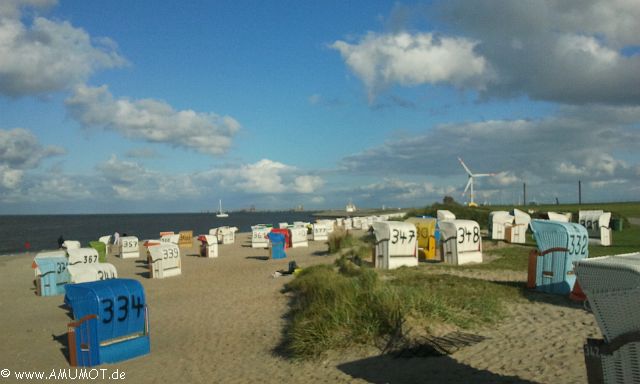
(579,192)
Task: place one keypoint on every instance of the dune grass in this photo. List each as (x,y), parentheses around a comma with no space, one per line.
(335,307)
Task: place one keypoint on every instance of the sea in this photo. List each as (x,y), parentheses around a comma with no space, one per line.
(33,233)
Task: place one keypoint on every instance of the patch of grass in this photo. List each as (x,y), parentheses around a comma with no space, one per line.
(336,307)
(340,240)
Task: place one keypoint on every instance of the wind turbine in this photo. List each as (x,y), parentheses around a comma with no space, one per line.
(470,182)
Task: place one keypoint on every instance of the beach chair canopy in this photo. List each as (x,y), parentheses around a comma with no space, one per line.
(443,214)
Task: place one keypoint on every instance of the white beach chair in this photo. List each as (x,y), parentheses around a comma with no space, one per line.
(396,244)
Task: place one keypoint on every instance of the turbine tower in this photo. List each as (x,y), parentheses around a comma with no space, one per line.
(469,186)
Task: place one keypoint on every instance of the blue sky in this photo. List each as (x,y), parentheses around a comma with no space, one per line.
(148,106)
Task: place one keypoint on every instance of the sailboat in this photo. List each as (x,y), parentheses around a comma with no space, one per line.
(220,213)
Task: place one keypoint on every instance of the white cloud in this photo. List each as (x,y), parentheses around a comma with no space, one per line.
(565,51)
(131,181)
(47,56)
(152,120)
(10,178)
(264,177)
(307,183)
(380,60)
(20,151)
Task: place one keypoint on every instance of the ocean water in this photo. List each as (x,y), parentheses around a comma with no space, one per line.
(42,231)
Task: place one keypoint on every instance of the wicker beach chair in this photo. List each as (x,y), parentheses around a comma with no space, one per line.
(612,286)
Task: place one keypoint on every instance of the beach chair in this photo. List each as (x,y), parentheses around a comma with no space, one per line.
(51,274)
(170,238)
(111,322)
(612,287)
(558,244)
(259,237)
(277,243)
(299,237)
(129,247)
(443,214)
(320,232)
(562,217)
(71,244)
(84,266)
(185,239)
(101,248)
(597,224)
(208,246)
(396,244)
(461,242)
(498,221)
(165,261)
(426,232)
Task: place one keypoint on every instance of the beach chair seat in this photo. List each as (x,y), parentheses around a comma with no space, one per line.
(111,322)
(612,287)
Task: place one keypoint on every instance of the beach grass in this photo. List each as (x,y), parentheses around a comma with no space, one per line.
(339,306)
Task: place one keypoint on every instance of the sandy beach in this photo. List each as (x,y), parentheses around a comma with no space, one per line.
(221,321)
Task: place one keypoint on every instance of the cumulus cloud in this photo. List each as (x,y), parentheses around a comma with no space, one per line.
(152,120)
(571,52)
(307,183)
(47,55)
(380,60)
(265,177)
(20,150)
(128,180)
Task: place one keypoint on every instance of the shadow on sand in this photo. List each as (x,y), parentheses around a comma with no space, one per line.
(436,369)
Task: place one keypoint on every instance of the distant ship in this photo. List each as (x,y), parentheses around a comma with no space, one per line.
(220,212)
(350,207)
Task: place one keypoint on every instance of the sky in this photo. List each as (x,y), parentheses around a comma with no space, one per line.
(144,106)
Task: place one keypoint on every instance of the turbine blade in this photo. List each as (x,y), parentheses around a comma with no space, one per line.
(483,174)
(468,185)
(465,167)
